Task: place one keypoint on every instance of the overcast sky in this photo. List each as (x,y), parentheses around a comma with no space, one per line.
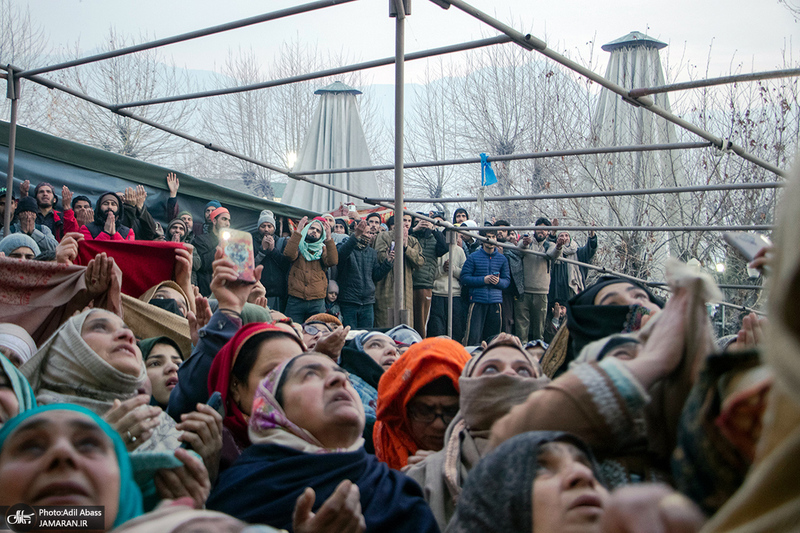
(750,33)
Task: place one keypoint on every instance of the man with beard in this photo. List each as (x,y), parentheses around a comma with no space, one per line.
(433,246)
(107,224)
(359,269)
(46,199)
(206,245)
(530,308)
(3,206)
(311,251)
(77,211)
(515,288)
(269,253)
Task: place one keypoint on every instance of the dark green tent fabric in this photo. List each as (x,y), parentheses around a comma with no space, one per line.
(90,171)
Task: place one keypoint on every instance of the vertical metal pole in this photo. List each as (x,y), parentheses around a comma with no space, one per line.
(399,254)
(13,94)
(451,239)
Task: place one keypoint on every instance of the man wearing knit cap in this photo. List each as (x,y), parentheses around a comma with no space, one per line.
(268,252)
(208,224)
(26,224)
(107,224)
(206,246)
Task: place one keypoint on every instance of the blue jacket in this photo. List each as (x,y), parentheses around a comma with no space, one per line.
(358,272)
(192,387)
(479,265)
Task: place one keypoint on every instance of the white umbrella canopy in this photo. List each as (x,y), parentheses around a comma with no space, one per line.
(334,140)
(634,63)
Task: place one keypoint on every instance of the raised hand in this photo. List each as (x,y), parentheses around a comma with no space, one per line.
(173,184)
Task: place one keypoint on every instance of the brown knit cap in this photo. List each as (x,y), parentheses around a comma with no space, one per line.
(324,317)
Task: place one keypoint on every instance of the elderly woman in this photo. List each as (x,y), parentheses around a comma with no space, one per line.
(93,361)
(65,454)
(16,395)
(417,399)
(537,482)
(503,376)
(306,427)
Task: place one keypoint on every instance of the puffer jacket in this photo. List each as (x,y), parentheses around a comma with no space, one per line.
(307,280)
(476,268)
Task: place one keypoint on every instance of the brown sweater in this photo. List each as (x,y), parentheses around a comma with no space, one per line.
(307,279)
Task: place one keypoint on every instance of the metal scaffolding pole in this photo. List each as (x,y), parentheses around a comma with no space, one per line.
(12,93)
(400,313)
(762,227)
(514,157)
(500,39)
(710,82)
(532,43)
(319,4)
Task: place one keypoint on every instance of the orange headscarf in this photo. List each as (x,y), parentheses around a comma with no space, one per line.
(423,363)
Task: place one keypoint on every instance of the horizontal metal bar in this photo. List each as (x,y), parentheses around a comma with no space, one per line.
(312,6)
(322,73)
(643,101)
(514,157)
(764,227)
(597,194)
(709,82)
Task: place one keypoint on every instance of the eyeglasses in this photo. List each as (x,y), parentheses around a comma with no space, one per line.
(314,328)
(426,414)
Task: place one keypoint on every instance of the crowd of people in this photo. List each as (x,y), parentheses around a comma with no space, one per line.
(193,395)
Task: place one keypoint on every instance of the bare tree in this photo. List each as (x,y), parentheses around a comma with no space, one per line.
(23,45)
(127,78)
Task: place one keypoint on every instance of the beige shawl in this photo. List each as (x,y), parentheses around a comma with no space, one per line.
(769,499)
(147,320)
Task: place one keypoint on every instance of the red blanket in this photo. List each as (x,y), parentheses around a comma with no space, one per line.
(143,263)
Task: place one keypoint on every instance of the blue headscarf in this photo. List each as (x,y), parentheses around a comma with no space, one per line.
(130,497)
(22,389)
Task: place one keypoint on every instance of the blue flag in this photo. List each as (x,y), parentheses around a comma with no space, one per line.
(487,174)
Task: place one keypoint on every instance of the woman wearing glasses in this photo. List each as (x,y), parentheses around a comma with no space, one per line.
(417,400)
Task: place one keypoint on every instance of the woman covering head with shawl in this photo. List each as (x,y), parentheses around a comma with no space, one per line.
(431,367)
(306,429)
(16,395)
(623,302)
(537,482)
(67,369)
(254,351)
(312,248)
(105,479)
(503,376)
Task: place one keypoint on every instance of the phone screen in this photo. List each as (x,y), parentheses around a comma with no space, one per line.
(238,246)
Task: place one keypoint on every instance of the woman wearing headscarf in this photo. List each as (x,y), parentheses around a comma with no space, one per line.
(417,399)
(61,432)
(624,394)
(16,395)
(161,311)
(502,376)
(162,357)
(611,305)
(311,251)
(253,352)
(366,359)
(16,344)
(306,430)
(537,482)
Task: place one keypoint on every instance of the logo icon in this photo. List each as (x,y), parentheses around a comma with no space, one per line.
(21,517)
